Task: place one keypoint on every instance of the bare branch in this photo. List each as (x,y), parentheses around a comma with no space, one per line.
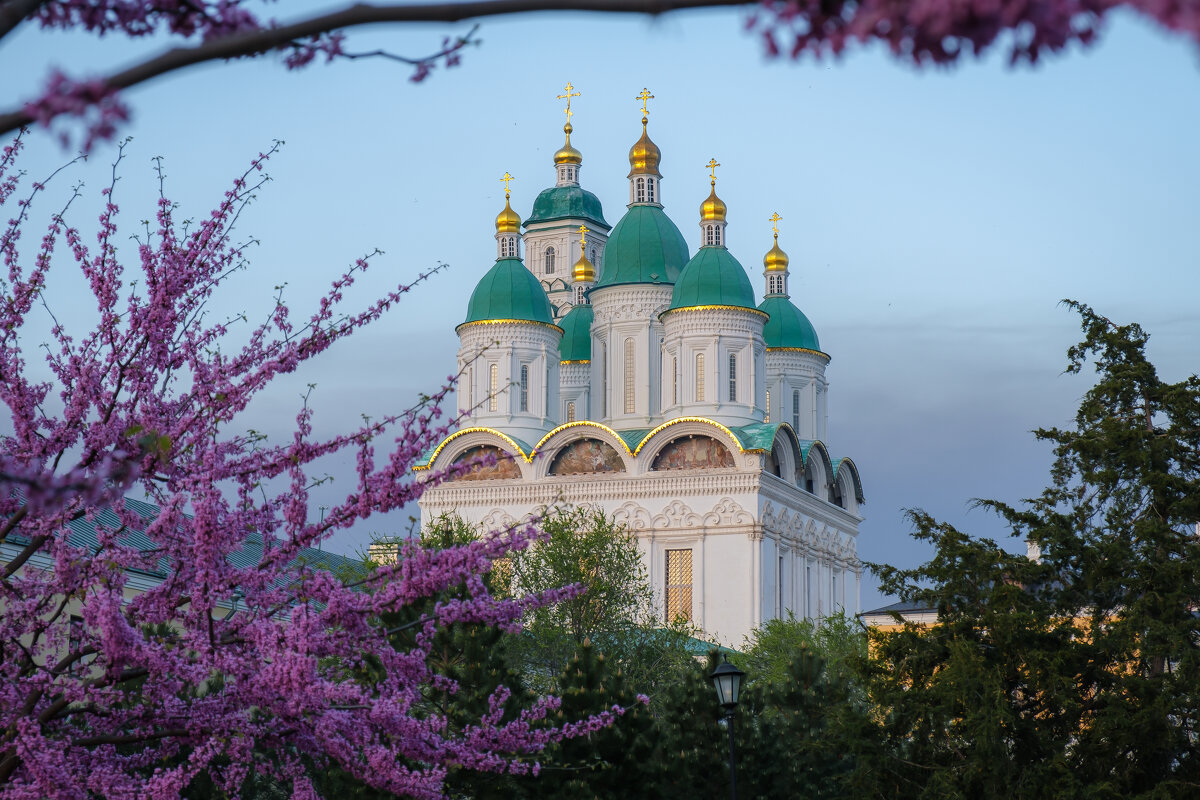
(262,41)
(15,12)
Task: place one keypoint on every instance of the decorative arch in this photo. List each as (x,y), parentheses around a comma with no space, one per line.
(817,466)
(554,442)
(688,422)
(456,443)
(845,467)
(784,457)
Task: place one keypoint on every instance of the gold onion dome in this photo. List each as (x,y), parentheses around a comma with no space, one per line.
(584,271)
(776,260)
(644,156)
(507,221)
(568,154)
(713,208)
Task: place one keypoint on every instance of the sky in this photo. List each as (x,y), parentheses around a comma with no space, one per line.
(934,218)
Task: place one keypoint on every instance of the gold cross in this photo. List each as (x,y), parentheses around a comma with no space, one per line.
(505,181)
(712,170)
(774,220)
(570,92)
(644,96)
(583,231)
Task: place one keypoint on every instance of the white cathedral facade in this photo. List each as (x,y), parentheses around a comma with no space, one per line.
(645,380)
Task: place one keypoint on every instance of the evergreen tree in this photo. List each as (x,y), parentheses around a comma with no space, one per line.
(1075,673)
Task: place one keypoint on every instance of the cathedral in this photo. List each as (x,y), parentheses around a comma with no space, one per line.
(607,365)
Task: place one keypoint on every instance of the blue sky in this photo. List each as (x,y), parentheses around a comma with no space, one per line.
(934,218)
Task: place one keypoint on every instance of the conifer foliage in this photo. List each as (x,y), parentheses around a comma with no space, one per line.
(1075,673)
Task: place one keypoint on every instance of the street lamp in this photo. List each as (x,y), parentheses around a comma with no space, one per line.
(728,682)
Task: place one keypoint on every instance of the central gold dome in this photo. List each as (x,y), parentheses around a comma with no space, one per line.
(644,156)
(568,154)
(507,221)
(713,208)
(776,260)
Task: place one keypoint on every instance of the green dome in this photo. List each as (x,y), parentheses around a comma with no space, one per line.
(713,278)
(788,327)
(567,202)
(576,342)
(645,247)
(509,291)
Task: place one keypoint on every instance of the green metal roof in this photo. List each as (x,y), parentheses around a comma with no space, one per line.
(576,342)
(509,291)
(567,202)
(759,436)
(787,327)
(713,278)
(645,247)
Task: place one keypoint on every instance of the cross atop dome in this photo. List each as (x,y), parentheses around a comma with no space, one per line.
(568,159)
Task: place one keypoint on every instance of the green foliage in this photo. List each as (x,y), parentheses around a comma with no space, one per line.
(615,612)
(1076,674)
(770,649)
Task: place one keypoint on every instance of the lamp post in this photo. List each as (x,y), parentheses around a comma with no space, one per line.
(728,682)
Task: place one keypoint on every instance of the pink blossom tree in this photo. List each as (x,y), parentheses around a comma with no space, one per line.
(229,669)
(916,31)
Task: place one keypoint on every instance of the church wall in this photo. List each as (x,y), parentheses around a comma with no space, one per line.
(622,313)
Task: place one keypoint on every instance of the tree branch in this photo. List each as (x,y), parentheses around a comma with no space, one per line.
(261,41)
(15,12)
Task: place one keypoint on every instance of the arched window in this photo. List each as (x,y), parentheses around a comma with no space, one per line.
(580,297)
(630,376)
(796,411)
(650,190)
(641,190)
(699,377)
(493,387)
(549,261)
(767,410)
(595,261)
(709,235)
(732,378)
(524,387)
(571,411)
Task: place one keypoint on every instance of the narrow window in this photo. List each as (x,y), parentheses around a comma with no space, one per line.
(767,410)
(630,376)
(470,398)
(708,235)
(796,411)
(699,377)
(549,261)
(641,190)
(779,589)
(674,380)
(593,259)
(836,603)
(571,411)
(650,190)
(732,378)
(604,380)
(493,387)
(808,591)
(679,585)
(524,387)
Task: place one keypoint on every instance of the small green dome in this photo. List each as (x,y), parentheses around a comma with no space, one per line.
(788,327)
(576,342)
(567,202)
(509,291)
(713,278)
(645,247)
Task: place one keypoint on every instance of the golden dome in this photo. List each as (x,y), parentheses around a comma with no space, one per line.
(584,271)
(644,156)
(713,208)
(507,221)
(776,260)
(568,154)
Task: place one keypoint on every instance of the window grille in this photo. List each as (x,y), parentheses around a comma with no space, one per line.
(650,190)
(641,190)
(493,387)
(699,377)
(678,599)
(674,380)
(732,378)
(767,410)
(571,411)
(796,411)
(524,387)
(549,262)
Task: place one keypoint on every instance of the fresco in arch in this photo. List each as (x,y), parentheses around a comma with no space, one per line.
(585,457)
(694,452)
(505,466)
